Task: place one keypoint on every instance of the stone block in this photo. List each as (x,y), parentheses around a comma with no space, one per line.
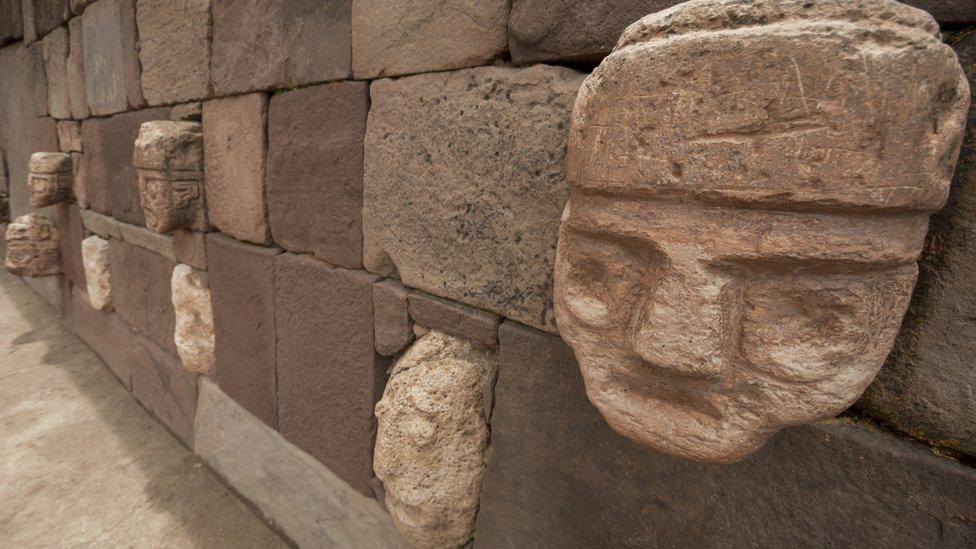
(262,44)
(48,15)
(141,292)
(392,329)
(947,12)
(77,96)
(55,52)
(79,189)
(69,136)
(18,124)
(394,37)
(102,225)
(315,159)
(72,231)
(46,135)
(465,182)
(30,32)
(78,6)
(112,182)
(241,280)
(106,333)
(187,112)
(160,244)
(111,59)
(35,53)
(235,149)
(94,253)
(329,375)
(309,503)
(454,318)
(168,159)
(558,476)
(164,388)
(52,289)
(49,178)
(190,248)
(927,385)
(11,21)
(194,335)
(174,49)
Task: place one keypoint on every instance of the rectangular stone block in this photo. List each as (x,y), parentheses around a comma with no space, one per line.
(164,388)
(329,375)
(308,502)
(46,136)
(174,48)
(465,183)
(242,289)
(315,171)
(141,291)
(235,148)
(160,244)
(48,14)
(72,230)
(11,21)
(69,136)
(102,225)
(558,476)
(265,44)
(18,124)
(190,248)
(454,318)
(77,96)
(111,59)
(393,329)
(106,333)
(39,78)
(55,50)
(394,37)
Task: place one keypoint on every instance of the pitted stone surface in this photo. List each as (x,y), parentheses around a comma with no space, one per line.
(32,243)
(194,335)
(94,252)
(77,96)
(430,444)
(55,47)
(174,49)
(464,183)
(168,158)
(111,59)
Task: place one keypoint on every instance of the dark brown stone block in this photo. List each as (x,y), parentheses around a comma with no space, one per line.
(315,171)
(11,21)
(475,325)
(393,329)
(72,229)
(48,14)
(111,57)
(329,375)
(242,293)
(35,53)
(164,387)
(947,11)
(559,477)
(141,291)
(106,333)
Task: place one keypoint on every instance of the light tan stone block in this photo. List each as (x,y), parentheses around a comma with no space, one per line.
(94,254)
(194,335)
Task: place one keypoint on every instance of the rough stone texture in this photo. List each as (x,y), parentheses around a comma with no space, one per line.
(161,384)
(190,248)
(431,439)
(926,388)
(454,318)
(174,49)
(141,292)
(78,6)
(394,37)
(46,136)
(79,187)
(559,477)
(464,183)
(188,112)
(94,252)
(235,145)
(112,182)
(111,59)
(71,229)
(264,44)
(307,501)
(18,126)
(947,11)
(69,136)
(55,51)
(32,246)
(703,327)
(48,15)
(77,96)
(168,158)
(241,280)
(329,375)
(161,244)
(11,21)
(101,225)
(30,33)
(315,171)
(105,332)
(194,334)
(392,329)
(50,178)
(39,78)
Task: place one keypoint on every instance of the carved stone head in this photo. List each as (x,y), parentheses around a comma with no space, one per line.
(169,160)
(752,181)
(50,178)
(32,246)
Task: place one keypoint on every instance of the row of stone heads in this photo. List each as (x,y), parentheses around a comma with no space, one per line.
(168,158)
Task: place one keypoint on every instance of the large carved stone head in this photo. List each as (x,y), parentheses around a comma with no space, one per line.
(50,178)
(169,160)
(752,181)
(32,247)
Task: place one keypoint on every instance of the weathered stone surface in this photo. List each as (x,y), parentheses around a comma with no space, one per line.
(39,78)
(454,318)
(174,49)
(79,186)
(94,252)
(315,171)
(69,136)
(329,375)
(702,326)
(161,244)
(141,292)
(102,225)
(559,477)
(308,502)
(111,59)
(264,44)
(947,11)
(189,112)
(235,144)
(50,178)
(55,51)
(77,96)
(394,37)
(194,334)
(431,439)
(392,328)
(46,136)
(926,387)
(112,182)
(30,32)
(241,280)
(48,14)
(168,158)
(71,230)
(464,183)
(78,6)
(32,243)
(164,388)
(190,248)
(11,21)
(18,125)
(105,332)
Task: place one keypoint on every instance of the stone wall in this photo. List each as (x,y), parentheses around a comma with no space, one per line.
(380,172)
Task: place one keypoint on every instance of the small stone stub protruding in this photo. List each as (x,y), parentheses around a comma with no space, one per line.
(32,247)
(194,335)
(94,255)
(50,178)
(168,157)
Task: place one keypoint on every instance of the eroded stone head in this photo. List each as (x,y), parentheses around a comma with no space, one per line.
(32,246)
(49,178)
(752,182)
(168,158)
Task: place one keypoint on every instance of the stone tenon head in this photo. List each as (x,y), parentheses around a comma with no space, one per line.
(752,182)
(168,157)
(49,178)
(32,247)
